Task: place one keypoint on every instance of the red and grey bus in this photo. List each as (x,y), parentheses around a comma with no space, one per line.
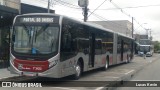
(56,46)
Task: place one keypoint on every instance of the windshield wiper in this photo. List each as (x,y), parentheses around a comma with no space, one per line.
(27,30)
(41,30)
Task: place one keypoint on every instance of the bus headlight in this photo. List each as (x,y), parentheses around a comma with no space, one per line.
(53,63)
(148,53)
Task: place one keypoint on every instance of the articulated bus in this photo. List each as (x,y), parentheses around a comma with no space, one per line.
(50,45)
(149,49)
(145,46)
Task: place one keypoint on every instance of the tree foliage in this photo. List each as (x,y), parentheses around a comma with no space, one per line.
(156,46)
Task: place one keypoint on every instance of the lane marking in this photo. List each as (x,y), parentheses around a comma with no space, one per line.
(5,77)
(99,88)
(111,77)
(116,72)
(145,80)
(130,72)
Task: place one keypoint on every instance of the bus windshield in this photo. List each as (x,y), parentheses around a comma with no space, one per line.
(36,39)
(145,42)
(144,48)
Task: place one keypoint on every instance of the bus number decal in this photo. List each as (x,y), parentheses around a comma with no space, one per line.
(37,68)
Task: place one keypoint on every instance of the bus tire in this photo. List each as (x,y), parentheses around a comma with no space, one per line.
(78,70)
(106,64)
(128,59)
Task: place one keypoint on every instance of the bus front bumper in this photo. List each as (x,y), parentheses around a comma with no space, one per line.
(52,72)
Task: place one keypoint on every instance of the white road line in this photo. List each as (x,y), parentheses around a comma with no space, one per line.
(99,88)
(4,78)
(111,77)
(146,80)
(130,71)
(64,88)
(116,72)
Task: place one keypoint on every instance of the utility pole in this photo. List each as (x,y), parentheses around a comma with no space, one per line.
(132,27)
(150,35)
(132,49)
(20,7)
(84,5)
(85,10)
(48,6)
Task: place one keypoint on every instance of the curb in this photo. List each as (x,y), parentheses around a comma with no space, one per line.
(121,80)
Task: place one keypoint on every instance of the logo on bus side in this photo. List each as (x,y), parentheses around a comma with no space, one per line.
(20,66)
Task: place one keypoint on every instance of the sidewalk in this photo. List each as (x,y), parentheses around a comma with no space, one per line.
(4,73)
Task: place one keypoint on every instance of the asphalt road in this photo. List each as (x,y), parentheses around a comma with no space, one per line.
(114,73)
(150,73)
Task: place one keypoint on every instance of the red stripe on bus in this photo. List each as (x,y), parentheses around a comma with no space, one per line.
(111,60)
(31,66)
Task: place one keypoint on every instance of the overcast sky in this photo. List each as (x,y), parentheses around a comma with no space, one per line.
(145,12)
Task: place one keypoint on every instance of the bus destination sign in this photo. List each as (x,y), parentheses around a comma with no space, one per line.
(37,20)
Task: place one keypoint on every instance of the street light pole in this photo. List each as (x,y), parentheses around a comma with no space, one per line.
(48,6)
(20,7)
(132,27)
(84,5)
(85,13)
(150,35)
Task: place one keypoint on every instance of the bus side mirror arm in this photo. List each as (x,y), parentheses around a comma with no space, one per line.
(13,38)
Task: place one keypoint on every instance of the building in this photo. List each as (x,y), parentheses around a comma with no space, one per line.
(144,37)
(138,37)
(8,10)
(26,8)
(121,26)
(15,4)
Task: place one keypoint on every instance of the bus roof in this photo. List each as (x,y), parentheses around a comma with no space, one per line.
(145,45)
(62,16)
(84,23)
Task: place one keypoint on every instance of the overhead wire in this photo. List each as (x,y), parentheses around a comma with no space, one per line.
(131,7)
(67,4)
(97,8)
(98,16)
(111,22)
(126,14)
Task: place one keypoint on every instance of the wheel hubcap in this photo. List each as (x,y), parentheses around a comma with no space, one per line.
(129,59)
(106,64)
(78,70)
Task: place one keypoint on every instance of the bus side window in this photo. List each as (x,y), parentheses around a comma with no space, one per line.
(66,40)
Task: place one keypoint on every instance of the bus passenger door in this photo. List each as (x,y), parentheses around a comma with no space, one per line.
(122,49)
(91,50)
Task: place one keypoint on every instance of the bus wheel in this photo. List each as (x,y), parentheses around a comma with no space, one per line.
(78,70)
(128,59)
(106,65)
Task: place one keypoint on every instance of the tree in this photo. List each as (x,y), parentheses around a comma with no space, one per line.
(156,45)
